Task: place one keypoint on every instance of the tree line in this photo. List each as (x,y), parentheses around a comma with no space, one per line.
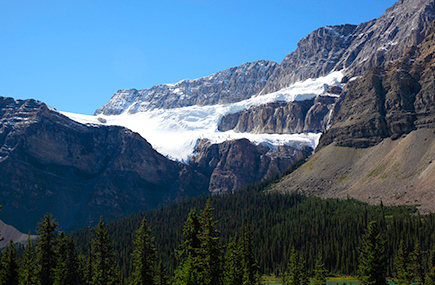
(251,232)
(202,259)
(279,223)
(54,260)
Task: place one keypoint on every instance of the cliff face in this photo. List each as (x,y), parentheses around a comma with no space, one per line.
(232,165)
(355,48)
(381,144)
(389,101)
(285,118)
(49,163)
(228,86)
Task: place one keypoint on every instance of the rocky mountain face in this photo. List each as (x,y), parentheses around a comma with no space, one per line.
(285,118)
(9,233)
(232,165)
(77,172)
(389,101)
(381,143)
(49,163)
(355,49)
(377,144)
(228,86)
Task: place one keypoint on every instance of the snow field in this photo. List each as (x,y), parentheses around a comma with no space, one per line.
(175,132)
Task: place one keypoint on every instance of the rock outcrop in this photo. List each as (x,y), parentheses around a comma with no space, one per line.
(355,48)
(9,233)
(232,165)
(285,118)
(381,144)
(389,101)
(277,117)
(228,86)
(49,163)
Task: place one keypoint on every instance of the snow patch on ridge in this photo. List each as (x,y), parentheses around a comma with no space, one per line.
(175,132)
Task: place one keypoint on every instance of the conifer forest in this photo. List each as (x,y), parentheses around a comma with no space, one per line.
(234,239)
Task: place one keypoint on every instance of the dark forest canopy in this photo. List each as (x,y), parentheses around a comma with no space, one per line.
(329,232)
(279,223)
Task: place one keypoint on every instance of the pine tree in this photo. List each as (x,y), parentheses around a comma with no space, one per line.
(83,269)
(211,250)
(46,255)
(372,259)
(402,265)
(67,269)
(144,256)
(200,253)
(161,275)
(28,269)
(430,277)
(233,273)
(319,272)
(104,263)
(9,265)
(190,270)
(303,279)
(191,244)
(297,274)
(417,267)
(249,264)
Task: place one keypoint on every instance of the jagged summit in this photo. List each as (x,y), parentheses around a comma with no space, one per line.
(232,138)
(231,85)
(381,143)
(351,48)
(355,49)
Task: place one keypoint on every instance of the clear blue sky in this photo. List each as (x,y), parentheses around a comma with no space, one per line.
(74,55)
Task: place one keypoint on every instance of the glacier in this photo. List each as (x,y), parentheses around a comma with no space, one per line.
(175,132)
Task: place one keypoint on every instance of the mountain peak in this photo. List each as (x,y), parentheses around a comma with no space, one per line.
(231,85)
(355,49)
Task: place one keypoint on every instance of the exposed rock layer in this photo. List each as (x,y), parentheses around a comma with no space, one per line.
(285,118)
(49,163)
(355,48)
(232,165)
(228,86)
(389,101)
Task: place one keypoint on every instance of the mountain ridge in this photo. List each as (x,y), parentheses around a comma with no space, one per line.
(381,143)
(78,172)
(355,48)
(351,48)
(228,86)
(49,162)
